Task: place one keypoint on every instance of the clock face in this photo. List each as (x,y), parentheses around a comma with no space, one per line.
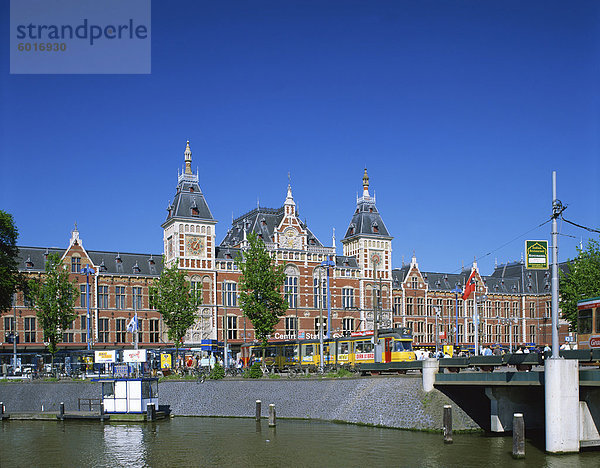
(194,246)
(291,239)
(376,258)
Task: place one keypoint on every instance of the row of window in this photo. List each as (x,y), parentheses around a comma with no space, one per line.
(491,334)
(488,309)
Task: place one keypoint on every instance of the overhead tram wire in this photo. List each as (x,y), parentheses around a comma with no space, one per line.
(506,243)
(580,226)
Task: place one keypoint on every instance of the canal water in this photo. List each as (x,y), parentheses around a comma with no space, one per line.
(182,442)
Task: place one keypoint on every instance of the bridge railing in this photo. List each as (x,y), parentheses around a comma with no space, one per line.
(522,361)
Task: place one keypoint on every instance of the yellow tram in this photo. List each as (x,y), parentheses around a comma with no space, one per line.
(346,351)
(588,323)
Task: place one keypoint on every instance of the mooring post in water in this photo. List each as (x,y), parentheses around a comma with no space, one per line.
(518,436)
(101,411)
(447,424)
(258,410)
(150,409)
(61,410)
(1,409)
(272,416)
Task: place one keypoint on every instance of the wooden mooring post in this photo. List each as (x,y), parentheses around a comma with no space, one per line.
(150,412)
(518,436)
(447,421)
(258,411)
(61,410)
(272,416)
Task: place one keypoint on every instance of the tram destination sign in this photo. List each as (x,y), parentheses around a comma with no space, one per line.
(536,253)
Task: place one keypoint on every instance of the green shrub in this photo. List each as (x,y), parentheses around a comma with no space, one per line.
(254,372)
(274,376)
(217,372)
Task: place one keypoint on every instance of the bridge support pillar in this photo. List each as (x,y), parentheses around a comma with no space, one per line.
(562,405)
(430,368)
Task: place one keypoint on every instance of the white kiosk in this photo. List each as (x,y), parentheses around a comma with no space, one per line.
(123,395)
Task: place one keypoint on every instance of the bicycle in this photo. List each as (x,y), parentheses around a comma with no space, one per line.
(201,374)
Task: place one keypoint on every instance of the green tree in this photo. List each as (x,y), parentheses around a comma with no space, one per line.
(581,280)
(10,278)
(261,285)
(54,299)
(177,304)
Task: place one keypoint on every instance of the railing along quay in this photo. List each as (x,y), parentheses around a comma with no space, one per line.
(522,361)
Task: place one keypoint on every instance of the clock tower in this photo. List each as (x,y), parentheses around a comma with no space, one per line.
(368,239)
(189,240)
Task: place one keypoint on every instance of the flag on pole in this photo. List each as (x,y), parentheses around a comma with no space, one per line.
(470,286)
(132,326)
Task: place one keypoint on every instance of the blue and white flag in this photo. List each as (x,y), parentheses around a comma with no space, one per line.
(132,326)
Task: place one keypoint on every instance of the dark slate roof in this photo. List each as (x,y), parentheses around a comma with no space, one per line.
(506,279)
(366,220)
(34,259)
(261,221)
(189,202)
(445,281)
(127,263)
(226,253)
(342,261)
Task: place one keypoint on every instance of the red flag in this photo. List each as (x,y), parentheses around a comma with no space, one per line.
(469,287)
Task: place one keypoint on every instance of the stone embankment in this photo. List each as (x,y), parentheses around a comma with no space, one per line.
(397,402)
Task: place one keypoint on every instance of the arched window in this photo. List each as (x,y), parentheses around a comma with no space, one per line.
(291,286)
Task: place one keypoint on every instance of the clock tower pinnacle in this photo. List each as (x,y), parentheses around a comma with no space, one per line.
(188,158)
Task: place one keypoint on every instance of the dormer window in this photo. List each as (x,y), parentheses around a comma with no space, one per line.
(375,227)
(102,266)
(136,268)
(371,209)
(191,189)
(351,229)
(119,263)
(194,208)
(29,263)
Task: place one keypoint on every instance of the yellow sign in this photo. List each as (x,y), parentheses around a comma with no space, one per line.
(105,356)
(165,361)
(449,350)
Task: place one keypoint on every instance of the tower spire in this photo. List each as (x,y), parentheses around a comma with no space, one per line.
(188,158)
(365,184)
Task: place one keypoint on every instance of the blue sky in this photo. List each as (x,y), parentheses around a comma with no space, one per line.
(460,110)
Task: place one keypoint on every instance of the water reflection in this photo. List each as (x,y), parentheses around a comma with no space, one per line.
(124,445)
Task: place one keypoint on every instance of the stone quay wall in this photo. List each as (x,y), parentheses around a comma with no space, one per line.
(396,402)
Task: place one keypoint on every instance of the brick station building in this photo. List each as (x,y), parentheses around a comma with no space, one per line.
(363,283)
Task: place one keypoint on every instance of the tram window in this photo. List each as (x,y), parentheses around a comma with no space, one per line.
(344,347)
(359,347)
(308,350)
(402,346)
(271,351)
(585,321)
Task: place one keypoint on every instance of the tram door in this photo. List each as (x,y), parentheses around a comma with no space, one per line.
(387,350)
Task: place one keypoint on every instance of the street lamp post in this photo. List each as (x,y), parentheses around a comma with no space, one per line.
(87,271)
(477,300)
(509,321)
(320,300)
(437,334)
(456,292)
(327,264)
(225,325)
